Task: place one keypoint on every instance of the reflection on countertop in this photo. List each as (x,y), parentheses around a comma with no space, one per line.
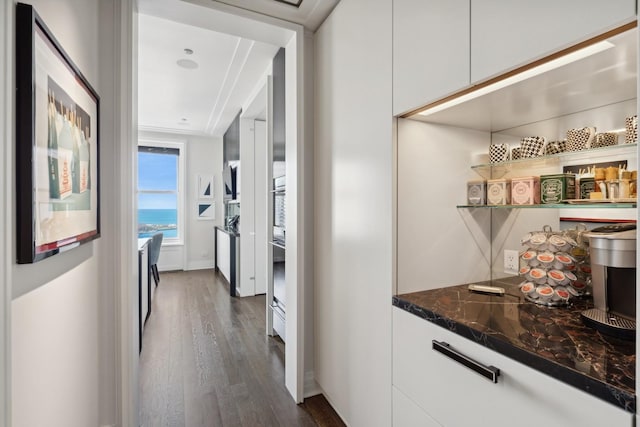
(551,340)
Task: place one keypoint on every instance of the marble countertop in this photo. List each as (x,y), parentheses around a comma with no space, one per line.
(551,340)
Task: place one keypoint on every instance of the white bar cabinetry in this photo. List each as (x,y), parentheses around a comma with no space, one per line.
(453,395)
(506,34)
(430,50)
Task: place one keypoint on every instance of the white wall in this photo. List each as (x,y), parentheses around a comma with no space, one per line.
(203,157)
(353,205)
(58,319)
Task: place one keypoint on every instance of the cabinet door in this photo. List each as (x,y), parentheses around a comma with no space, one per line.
(509,33)
(454,395)
(430,50)
(407,413)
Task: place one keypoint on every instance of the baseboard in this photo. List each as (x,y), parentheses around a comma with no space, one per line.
(200,265)
(311,387)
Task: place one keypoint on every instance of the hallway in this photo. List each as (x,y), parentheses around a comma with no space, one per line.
(207,362)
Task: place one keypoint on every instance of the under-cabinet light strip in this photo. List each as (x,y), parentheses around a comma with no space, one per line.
(531,72)
(556,60)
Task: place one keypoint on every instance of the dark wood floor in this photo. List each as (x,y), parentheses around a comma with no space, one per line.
(206,361)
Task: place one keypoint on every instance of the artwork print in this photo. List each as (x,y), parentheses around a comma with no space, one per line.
(56,145)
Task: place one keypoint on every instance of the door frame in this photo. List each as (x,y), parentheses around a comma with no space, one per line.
(298,218)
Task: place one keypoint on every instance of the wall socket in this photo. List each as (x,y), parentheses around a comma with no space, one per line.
(511,261)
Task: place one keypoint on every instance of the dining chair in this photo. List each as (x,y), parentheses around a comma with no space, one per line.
(154,254)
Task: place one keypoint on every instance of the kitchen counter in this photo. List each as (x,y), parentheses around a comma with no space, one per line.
(230,231)
(551,340)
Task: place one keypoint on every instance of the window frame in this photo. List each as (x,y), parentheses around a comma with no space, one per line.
(180,186)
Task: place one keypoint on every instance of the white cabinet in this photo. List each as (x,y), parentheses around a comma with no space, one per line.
(223,253)
(454,395)
(509,33)
(430,50)
(407,413)
(246,287)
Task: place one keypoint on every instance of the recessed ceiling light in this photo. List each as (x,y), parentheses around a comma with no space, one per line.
(187,63)
(188,51)
(295,3)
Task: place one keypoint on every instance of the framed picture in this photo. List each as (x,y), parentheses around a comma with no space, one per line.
(206,211)
(57,164)
(205,186)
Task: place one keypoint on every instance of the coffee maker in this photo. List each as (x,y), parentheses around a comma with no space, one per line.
(613,273)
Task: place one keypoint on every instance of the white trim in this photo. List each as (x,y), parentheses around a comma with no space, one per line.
(180,145)
(311,387)
(125,39)
(200,265)
(6,154)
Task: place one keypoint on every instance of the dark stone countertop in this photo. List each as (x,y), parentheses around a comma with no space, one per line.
(551,340)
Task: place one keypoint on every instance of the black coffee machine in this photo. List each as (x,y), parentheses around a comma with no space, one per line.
(613,271)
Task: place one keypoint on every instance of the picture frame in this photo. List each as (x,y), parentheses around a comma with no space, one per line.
(206,211)
(205,186)
(57,145)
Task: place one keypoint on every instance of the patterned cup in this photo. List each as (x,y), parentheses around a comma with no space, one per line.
(631,125)
(498,153)
(604,139)
(532,146)
(555,147)
(580,139)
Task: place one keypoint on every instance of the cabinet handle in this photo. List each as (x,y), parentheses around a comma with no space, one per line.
(489,372)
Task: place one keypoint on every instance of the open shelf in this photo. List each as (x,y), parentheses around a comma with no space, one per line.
(498,170)
(554,206)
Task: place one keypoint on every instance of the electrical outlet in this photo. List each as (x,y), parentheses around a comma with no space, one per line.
(511,261)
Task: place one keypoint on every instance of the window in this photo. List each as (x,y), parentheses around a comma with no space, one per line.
(160,202)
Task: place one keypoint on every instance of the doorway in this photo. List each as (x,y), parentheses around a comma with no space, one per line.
(291,37)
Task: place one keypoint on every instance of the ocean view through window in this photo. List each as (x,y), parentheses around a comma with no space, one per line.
(158,191)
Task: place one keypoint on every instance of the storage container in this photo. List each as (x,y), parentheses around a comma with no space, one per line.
(477,192)
(525,190)
(499,191)
(557,188)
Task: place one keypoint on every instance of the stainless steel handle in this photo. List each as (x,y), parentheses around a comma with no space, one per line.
(489,372)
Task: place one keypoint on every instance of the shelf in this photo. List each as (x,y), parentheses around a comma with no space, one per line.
(497,170)
(554,206)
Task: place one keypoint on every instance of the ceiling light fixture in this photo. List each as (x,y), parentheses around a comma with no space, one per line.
(187,63)
(542,68)
(295,3)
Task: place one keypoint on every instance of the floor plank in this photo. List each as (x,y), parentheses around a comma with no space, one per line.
(206,361)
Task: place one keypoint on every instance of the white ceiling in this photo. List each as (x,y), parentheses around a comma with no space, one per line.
(232,50)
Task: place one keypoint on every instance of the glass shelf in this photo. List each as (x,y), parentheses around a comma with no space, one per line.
(498,170)
(554,206)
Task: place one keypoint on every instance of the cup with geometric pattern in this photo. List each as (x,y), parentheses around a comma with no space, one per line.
(498,153)
(555,147)
(631,126)
(605,139)
(579,139)
(532,146)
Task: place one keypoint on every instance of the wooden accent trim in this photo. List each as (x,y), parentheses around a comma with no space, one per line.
(523,68)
